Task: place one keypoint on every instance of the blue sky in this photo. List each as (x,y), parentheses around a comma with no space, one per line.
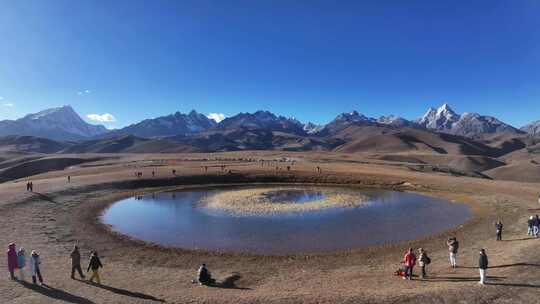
(307,59)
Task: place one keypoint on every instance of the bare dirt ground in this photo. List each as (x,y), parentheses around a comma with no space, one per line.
(59,215)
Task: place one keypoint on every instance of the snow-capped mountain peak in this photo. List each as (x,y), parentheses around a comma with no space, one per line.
(444,119)
(59,123)
(532,128)
(446,112)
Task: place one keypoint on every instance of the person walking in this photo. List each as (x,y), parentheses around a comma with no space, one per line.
(536,225)
(409,261)
(530,225)
(453,247)
(482,266)
(498,230)
(35,267)
(94,264)
(12,260)
(76,263)
(21,262)
(423,261)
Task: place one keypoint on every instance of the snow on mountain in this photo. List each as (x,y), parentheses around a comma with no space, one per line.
(532,128)
(261,120)
(444,119)
(439,119)
(311,128)
(345,120)
(169,125)
(61,123)
(394,121)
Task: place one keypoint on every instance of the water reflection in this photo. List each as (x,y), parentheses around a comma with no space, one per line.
(173,219)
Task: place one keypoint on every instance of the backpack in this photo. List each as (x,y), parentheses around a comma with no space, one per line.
(428,260)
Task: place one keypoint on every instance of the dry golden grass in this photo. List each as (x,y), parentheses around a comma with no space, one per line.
(260,201)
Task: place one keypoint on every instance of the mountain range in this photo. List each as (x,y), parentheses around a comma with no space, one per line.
(61,123)
(64,124)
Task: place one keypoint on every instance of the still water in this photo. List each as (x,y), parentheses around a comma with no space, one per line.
(177,219)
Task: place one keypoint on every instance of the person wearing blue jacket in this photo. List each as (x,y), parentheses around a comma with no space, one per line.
(21,262)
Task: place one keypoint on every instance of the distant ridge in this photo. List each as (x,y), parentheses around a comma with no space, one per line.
(61,123)
(64,124)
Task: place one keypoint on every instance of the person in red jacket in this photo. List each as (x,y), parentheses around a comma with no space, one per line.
(410,262)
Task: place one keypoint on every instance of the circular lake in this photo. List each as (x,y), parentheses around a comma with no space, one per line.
(282,219)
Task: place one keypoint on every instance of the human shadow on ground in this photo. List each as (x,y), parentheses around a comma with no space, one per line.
(123,292)
(229,282)
(505,266)
(522,239)
(514,285)
(515,265)
(460,279)
(55,293)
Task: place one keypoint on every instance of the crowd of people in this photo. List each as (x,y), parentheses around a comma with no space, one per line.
(410,260)
(17,262)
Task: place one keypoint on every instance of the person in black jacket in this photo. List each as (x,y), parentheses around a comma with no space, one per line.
(482,266)
(203,276)
(530,225)
(536,225)
(94,264)
(499,228)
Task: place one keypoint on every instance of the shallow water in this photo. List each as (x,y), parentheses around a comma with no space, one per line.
(175,219)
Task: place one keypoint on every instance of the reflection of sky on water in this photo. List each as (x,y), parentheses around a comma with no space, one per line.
(388,217)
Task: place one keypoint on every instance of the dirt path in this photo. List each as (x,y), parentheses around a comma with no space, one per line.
(61,214)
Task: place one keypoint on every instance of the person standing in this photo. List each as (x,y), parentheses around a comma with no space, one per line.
(69,178)
(35,267)
(530,225)
(453,247)
(76,263)
(12,260)
(94,264)
(423,261)
(498,230)
(482,266)
(536,225)
(410,262)
(21,262)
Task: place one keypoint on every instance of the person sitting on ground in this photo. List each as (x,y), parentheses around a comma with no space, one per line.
(12,260)
(530,225)
(423,261)
(482,266)
(21,262)
(499,228)
(204,276)
(94,264)
(76,263)
(410,262)
(35,267)
(453,246)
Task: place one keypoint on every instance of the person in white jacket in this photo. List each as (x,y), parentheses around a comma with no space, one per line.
(34,266)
